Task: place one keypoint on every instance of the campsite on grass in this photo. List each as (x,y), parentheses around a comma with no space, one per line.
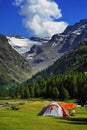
(26,117)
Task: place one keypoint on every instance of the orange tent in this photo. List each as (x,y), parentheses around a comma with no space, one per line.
(67,105)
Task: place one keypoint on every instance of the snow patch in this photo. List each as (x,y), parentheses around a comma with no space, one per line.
(77,32)
(22,45)
(54,44)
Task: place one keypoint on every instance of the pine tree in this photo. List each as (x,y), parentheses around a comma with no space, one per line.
(55,93)
(26,93)
(64,94)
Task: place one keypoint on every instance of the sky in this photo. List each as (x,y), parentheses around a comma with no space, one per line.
(40,18)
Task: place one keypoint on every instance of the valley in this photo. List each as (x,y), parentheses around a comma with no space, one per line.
(45,67)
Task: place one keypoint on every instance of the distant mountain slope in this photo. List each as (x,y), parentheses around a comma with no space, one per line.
(73,61)
(13,67)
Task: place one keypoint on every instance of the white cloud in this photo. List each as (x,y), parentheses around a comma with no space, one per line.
(40,16)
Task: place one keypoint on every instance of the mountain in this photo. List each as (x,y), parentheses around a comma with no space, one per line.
(13,67)
(45,54)
(73,61)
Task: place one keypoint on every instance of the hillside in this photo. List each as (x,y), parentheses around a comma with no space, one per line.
(13,68)
(73,61)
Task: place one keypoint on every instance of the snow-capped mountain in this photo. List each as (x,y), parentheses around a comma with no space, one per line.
(42,52)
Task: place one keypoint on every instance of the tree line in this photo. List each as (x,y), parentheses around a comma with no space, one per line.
(59,87)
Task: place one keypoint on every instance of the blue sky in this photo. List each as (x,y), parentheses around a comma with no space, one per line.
(11,22)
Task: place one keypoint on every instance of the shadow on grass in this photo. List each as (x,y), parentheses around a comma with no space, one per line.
(75,120)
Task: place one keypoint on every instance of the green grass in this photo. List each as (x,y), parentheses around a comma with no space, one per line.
(26,118)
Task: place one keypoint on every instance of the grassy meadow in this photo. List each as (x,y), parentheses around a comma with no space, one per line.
(26,118)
